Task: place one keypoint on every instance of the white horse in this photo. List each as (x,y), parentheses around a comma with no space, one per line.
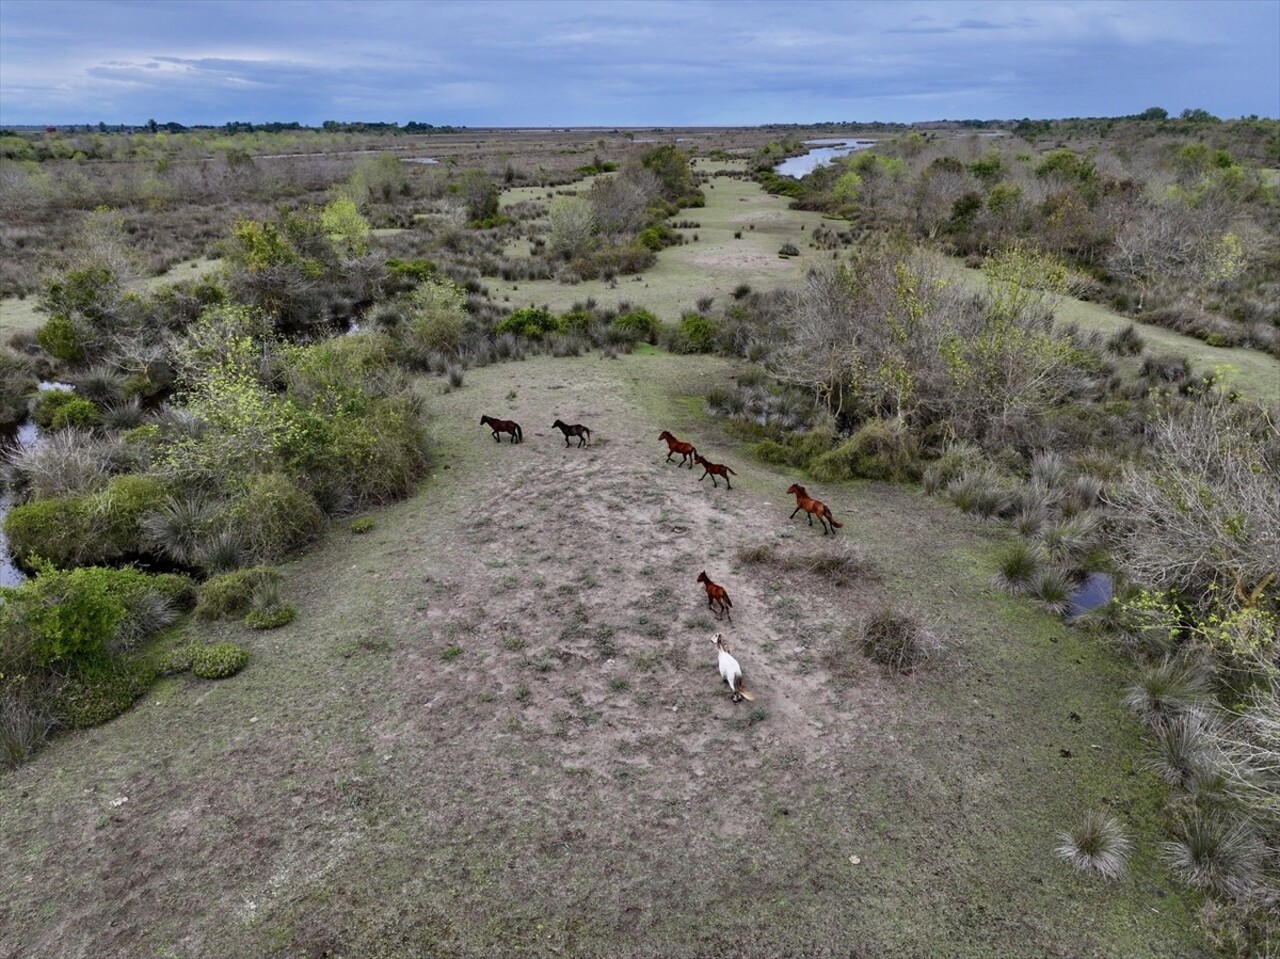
(730,671)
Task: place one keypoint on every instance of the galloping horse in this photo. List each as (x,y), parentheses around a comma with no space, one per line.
(686,450)
(718,600)
(713,470)
(503,426)
(814,508)
(581,432)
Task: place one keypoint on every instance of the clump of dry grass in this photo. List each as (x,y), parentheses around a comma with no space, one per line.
(1096,845)
(842,563)
(898,640)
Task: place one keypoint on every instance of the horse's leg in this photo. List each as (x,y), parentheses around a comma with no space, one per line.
(793,513)
(726,481)
(810,518)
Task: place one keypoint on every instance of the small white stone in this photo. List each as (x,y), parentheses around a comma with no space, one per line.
(253,719)
(855,860)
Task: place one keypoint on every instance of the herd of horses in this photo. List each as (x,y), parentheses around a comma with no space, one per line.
(718,600)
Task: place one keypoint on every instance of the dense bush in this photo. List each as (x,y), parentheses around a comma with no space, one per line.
(695,334)
(74,531)
(274,517)
(59,530)
(609,261)
(94,694)
(59,616)
(640,324)
(531,323)
(231,594)
(49,403)
(882,450)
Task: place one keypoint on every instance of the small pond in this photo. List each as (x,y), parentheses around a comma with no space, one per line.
(1094,591)
(824,151)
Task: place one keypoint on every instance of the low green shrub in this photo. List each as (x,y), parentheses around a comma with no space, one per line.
(231,594)
(59,530)
(271,617)
(93,695)
(531,323)
(177,660)
(362,525)
(219,660)
(880,449)
(59,617)
(695,334)
(77,413)
(269,610)
(48,404)
(64,338)
(118,514)
(640,323)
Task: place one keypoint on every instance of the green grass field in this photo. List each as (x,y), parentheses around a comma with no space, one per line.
(713,266)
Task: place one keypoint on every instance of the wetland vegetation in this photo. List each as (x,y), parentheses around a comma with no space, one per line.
(352,679)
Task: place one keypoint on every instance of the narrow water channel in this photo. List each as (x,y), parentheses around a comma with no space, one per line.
(824,151)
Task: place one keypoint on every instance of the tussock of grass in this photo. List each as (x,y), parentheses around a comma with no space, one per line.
(1218,855)
(1098,845)
(1165,691)
(1019,566)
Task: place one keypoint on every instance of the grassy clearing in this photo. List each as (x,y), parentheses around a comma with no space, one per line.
(1249,371)
(17,315)
(713,266)
(496,729)
(20,314)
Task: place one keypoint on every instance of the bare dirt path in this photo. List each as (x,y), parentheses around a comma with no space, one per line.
(496,729)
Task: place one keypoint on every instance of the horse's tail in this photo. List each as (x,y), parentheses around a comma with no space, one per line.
(727,601)
(742,691)
(727,470)
(831,519)
(519,433)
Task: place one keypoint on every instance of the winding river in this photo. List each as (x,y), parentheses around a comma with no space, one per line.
(824,151)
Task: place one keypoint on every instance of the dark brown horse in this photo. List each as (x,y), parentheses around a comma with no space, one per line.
(713,470)
(581,432)
(687,451)
(814,508)
(503,426)
(717,598)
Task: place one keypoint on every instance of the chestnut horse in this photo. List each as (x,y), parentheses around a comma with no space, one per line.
(718,600)
(581,432)
(503,426)
(814,508)
(713,470)
(686,450)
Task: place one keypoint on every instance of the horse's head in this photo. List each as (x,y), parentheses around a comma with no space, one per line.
(702,578)
(720,643)
(483,420)
(664,435)
(557,424)
(797,489)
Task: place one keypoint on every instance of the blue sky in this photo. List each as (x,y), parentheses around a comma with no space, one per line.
(621,63)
